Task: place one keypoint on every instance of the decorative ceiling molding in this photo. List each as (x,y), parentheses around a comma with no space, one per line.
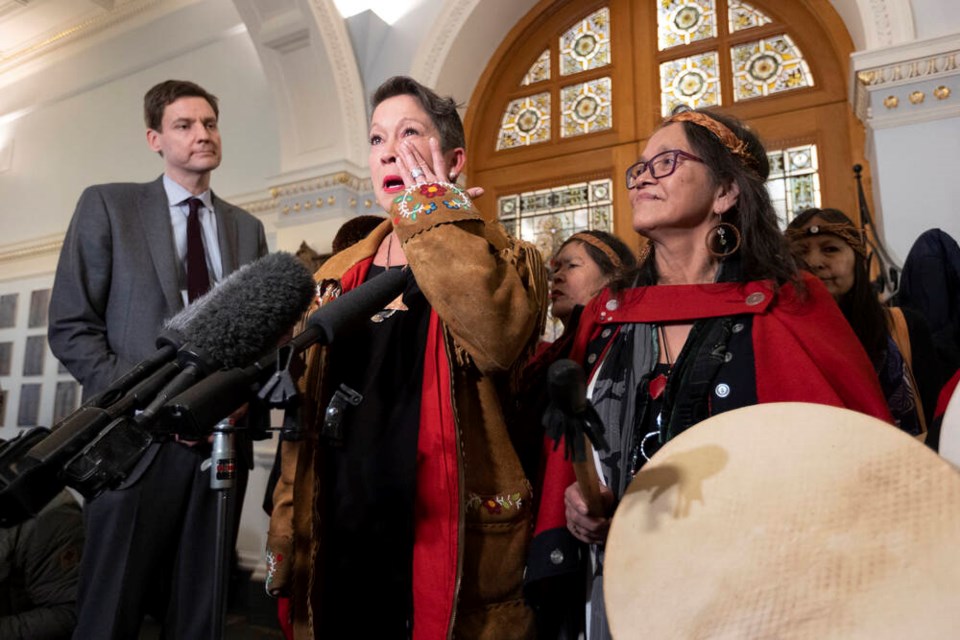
(892,22)
(435,47)
(340,192)
(90,26)
(32,249)
(346,76)
(910,83)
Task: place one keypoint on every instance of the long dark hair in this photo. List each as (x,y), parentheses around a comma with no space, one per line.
(764,252)
(861,306)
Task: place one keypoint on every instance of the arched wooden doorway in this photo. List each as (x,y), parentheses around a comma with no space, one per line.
(567,101)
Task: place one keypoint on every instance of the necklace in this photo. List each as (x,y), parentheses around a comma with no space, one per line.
(397,304)
(659,382)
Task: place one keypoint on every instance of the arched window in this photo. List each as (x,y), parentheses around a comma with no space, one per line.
(566,103)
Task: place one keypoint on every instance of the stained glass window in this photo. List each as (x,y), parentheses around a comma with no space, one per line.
(539,70)
(586,108)
(744,16)
(685,21)
(548,217)
(769,65)
(794,182)
(525,121)
(586,45)
(693,82)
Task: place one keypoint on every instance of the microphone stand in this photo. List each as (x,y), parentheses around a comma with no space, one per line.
(223,474)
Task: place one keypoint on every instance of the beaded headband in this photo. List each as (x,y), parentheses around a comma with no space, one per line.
(736,146)
(594,241)
(846,232)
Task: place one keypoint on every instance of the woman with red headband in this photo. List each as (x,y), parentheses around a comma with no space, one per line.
(587,262)
(722,319)
(827,242)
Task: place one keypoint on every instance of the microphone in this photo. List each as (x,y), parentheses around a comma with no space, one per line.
(245,315)
(206,402)
(571,416)
(174,334)
(337,316)
(249,311)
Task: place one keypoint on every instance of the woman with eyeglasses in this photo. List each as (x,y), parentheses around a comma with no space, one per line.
(722,319)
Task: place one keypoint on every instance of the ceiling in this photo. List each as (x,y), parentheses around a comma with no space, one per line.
(31,28)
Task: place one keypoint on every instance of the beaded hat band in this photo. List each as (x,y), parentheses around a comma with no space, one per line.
(596,242)
(846,232)
(729,139)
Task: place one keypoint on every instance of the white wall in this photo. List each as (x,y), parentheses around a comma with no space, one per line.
(918,175)
(934,18)
(84,116)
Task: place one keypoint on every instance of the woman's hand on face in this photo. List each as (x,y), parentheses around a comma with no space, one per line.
(410,160)
(582,526)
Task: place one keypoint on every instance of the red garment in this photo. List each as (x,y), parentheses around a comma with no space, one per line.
(804,350)
(945,394)
(283,616)
(437,495)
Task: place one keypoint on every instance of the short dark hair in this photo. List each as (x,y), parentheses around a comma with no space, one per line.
(442,111)
(354,230)
(155,101)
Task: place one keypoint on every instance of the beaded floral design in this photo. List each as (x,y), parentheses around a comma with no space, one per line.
(433,190)
(495,504)
(421,199)
(273,562)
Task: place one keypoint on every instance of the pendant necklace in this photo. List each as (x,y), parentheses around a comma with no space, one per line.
(659,382)
(397,304)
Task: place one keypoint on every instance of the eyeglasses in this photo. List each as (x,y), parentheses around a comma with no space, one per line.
(661,165)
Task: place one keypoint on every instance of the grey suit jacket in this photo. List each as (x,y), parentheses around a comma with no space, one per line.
(118,277)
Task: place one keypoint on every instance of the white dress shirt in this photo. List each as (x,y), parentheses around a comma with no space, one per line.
(177,196)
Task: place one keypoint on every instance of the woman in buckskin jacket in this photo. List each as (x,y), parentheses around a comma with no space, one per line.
(405,511)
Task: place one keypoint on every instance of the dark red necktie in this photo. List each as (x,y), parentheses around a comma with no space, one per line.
(198,278)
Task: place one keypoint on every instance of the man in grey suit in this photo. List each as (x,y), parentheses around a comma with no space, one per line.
(133,256)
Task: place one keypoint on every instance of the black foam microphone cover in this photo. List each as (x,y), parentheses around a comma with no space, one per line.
(247,313)
(237,321)
(200,405)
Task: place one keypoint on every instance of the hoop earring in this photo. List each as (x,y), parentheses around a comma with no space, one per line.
(723,240)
